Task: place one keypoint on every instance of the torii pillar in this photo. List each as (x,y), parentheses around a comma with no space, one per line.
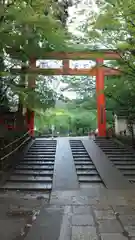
(30,113)
(101,110)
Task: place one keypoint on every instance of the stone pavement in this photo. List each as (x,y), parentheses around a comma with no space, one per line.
(94,213)
(87,214)
(18,212)
(64,167)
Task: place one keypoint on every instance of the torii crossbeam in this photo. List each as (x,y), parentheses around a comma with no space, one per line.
(99,71)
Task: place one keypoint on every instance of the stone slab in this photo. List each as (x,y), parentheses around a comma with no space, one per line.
(130,230)
(105,214)
(82,220)
(30,179)
(102,206)
(127,220)
(47,225)
(10,228)
(81,209)
(84,233)
(110,226)
(65,177)
(27,186)
(114,236)
(124,210)
(106,169)
(15,213)
(34,173)
(65,232)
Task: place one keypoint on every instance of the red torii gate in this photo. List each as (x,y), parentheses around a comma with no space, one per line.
(99,71)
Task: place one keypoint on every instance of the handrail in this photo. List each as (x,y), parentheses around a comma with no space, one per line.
(14,150)
(16,140)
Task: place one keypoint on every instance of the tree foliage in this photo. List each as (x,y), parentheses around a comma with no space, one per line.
(27,25)
(82,85)
(25,28)
(73,119)
(113,27)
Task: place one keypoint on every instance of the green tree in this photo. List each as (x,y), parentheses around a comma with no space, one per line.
(82,85)
(113,27)
(26,27)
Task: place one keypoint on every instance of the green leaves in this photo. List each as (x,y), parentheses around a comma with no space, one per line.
(121,97)
(25,25)
(107,21)
(114,27)
(73,120)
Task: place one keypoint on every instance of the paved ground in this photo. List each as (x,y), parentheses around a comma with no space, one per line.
(18,212)
(65,177)
(94,213)
(89,214)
